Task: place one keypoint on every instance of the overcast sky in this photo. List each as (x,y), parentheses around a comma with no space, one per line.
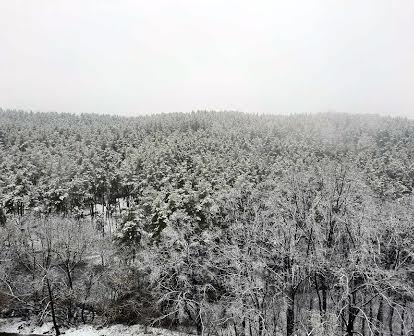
(148,56)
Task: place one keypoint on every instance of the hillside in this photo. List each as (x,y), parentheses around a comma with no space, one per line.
(209,222)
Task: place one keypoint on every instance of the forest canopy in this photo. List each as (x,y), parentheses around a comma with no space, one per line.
(223,222)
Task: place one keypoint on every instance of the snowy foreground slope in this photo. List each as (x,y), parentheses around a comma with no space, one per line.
(18,326)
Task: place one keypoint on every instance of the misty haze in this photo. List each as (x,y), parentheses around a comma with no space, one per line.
(214,168)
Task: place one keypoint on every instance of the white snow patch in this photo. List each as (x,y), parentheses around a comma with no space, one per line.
(18,326)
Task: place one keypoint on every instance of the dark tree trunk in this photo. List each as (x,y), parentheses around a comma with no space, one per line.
(380,317)
(402,329)
(261,325)
(319,298)
(290,314)
(324,298)
(235,328)
(371,314)
(352,314)
(199,328)
(52,307)
(3,218)
(70,284)
(69,275)
(391,318)
(352,311)
(83,314)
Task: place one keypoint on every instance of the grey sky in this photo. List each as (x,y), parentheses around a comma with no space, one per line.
(147,56)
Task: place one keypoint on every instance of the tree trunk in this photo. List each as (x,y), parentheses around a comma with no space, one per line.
(199,328)
(311,303)
(380,317)
(196,318)
(319,299)
(52,307)
(83,313)
(391,318)
(235,328)
(402,329)
(70,284)
(324,298)
(363,326)
(371,314)
(352,314)
(69,275)
(290,314)
(261,325)
(353,311)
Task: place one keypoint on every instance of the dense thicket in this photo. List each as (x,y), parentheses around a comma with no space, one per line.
(222,222)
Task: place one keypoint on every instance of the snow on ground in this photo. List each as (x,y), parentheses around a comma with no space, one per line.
(18,326)
(117,330)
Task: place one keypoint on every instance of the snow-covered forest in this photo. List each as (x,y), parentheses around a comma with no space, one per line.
(215,223)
